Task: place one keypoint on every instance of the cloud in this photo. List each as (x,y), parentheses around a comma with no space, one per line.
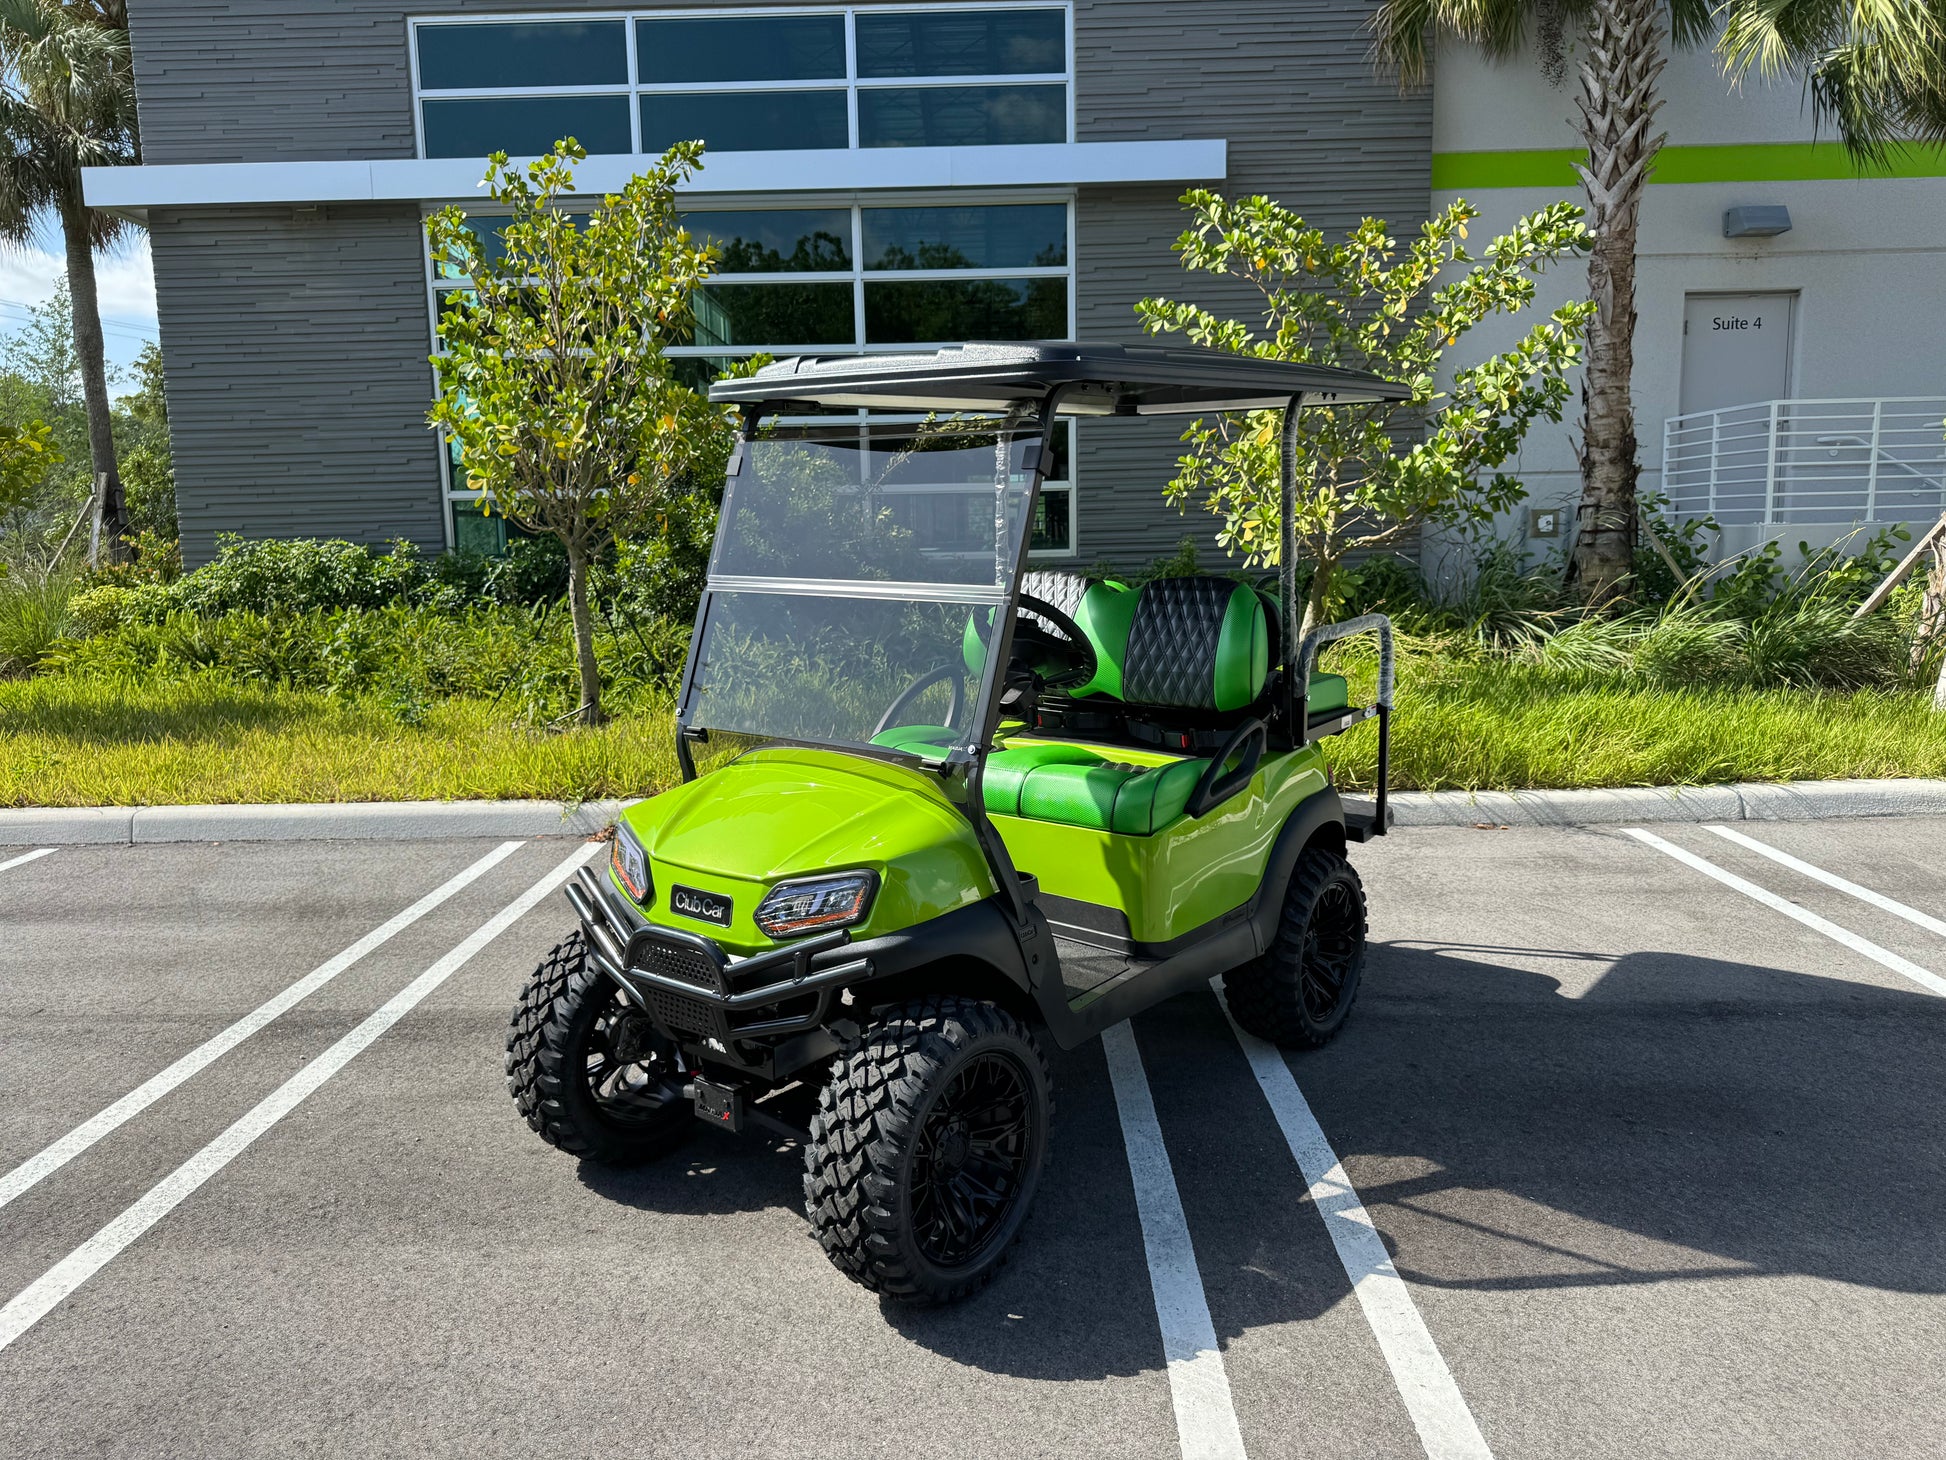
(124,279)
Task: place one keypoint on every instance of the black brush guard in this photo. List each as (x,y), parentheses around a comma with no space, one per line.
(698,994)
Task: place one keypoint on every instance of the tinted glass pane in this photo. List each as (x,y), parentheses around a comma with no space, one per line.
(941,311)
(966,238)
(961,116)
(523,53)
(1054,522)
(797,241)
(492,247)
(773,48)
(697,371)
(749,121)
(955,42)
(774,314)
(525,126)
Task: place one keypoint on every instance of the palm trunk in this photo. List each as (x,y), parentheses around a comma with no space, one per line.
(111,511)
(590,712)
(1617,105)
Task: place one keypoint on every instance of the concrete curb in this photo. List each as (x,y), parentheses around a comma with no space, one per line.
(333,821)
(1785,801)
(434,820)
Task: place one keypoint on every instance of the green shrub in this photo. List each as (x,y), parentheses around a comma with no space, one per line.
(34,619)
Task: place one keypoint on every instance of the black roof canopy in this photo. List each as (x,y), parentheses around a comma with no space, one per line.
(1096,380)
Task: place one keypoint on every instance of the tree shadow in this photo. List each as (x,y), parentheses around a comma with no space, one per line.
(103,716)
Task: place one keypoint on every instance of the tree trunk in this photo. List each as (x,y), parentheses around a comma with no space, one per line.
(110,507)
(1625,56)
(590,712)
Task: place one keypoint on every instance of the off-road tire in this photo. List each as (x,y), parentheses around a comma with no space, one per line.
(547,1060)
(1267,996)
(867,1133)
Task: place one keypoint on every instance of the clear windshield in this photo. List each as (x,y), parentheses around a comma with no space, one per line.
(850,561)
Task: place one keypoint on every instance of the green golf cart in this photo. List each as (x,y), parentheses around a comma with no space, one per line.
(961,808)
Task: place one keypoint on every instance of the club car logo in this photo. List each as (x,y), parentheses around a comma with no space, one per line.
(704,905)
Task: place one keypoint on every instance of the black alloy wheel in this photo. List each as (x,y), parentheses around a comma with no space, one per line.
(970,1158)
(1300,992)
(927,1148)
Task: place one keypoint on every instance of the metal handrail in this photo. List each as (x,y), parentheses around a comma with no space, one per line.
(1777,460)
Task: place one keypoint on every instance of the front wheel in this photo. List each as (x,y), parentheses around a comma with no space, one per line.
(1299,993)
(927,1148)
(588,1070)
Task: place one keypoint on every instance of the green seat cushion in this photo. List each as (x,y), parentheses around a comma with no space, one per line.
(1329,692)
(1079,787)
(916,738)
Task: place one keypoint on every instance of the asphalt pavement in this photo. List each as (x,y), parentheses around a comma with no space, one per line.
(1618,1156)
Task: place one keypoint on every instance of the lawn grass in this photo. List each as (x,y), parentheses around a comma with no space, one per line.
(83,741)
(70,741)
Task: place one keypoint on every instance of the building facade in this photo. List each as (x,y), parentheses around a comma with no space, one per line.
(1790,345)
(879,177)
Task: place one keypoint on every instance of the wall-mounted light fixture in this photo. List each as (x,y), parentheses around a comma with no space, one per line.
(1760,220)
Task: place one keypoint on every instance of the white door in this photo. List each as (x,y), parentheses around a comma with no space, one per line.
(1736,359)
(1736,348)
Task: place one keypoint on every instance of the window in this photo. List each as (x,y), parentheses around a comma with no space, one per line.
(830,278)
(955,75)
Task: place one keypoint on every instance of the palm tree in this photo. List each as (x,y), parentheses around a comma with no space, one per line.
(1876,68)
(1627,46)
(67,101)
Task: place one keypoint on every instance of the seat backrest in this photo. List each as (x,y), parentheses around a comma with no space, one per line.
(1201,643)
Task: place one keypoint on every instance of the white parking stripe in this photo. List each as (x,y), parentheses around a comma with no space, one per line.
(1439,1412)
(36,1300)
(36,1167)
(1931,982)
(1199,1385)
(25,857)
(1831,879)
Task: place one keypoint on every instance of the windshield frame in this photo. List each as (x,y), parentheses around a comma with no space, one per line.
(1031,418)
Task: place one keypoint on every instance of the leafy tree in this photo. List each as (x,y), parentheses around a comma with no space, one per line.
(26,453)
(148,468)
(554,383)
(1368,305)
(1876,68)
(67,101)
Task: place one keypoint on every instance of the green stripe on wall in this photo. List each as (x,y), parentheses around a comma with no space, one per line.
(1744,162)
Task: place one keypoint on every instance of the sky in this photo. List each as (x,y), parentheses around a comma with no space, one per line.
(122,276)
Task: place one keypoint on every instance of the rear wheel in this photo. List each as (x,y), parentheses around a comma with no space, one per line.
(1299,993)
(588,1070)
(927,1148)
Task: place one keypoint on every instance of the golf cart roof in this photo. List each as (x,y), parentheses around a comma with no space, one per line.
(1095,380)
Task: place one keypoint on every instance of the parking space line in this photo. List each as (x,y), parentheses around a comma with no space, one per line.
(1439,1411)
(54,1157)
(1199,1385)
(1931,982)
(1831,879)
(40,1297)
(25,857)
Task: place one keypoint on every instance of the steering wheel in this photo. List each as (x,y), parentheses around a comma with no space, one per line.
(952,675)
(1039,657)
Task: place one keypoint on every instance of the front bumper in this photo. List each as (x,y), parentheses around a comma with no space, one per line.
(695,992)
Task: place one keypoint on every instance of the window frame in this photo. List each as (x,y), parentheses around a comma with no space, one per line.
(854,203)
(634,89)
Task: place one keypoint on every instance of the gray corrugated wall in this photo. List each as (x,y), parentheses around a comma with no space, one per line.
(1287,83)
(296,348)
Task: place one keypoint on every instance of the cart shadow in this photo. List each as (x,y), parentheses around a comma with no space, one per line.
(1685,1118)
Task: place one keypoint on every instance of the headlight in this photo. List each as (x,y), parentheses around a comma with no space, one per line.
(816,904)
(631,864)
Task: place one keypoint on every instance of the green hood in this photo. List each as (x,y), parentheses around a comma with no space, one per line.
(782,813)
